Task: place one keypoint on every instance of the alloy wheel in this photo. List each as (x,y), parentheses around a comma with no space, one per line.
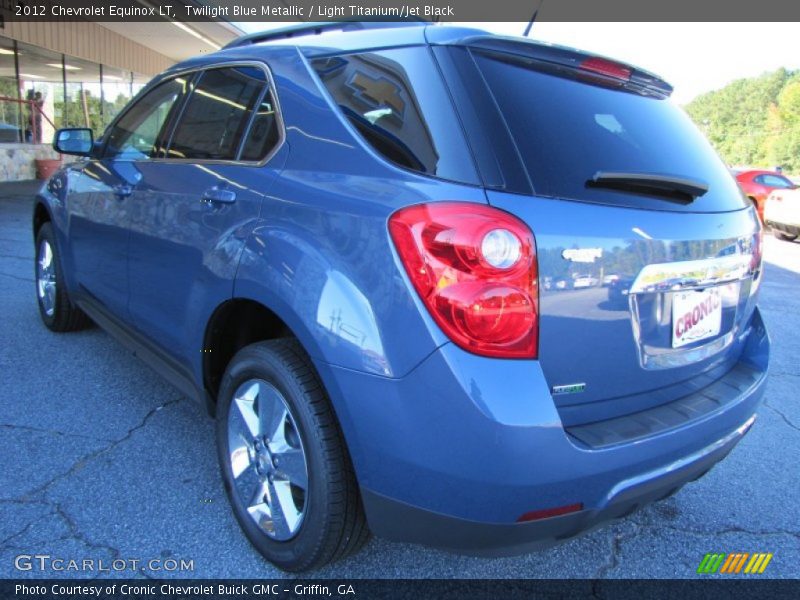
(268,463)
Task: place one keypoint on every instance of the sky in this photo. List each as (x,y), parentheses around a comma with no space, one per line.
(693,57)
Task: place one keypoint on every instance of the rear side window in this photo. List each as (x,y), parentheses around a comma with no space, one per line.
(566,130)
(218,113)
(264,134)
(397,102)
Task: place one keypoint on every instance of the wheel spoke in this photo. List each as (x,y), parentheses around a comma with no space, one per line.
(272,411)
(260,494)
(285,516)
(247,485)
(246,412)
(50,292)
(47,256)
(291,466)
(241,455)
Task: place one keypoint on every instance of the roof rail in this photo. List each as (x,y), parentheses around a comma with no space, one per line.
(316,28)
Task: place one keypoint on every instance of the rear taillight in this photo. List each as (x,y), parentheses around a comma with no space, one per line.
(475,269)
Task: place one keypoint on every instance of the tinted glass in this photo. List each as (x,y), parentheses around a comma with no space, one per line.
(773,181)
(397,102)
(567,130)
(217,114)
(136,134)
(263,135)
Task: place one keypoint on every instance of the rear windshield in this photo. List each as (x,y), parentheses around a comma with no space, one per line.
(567,130)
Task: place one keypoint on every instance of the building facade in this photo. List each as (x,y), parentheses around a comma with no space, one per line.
(81,74)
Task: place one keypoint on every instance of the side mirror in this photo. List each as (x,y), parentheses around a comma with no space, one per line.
(74,141)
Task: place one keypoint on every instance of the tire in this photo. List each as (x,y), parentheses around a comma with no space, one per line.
(297,523)
(784,236)
(57,311)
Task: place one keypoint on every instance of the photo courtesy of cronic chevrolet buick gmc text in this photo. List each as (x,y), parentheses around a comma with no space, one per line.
(383,256)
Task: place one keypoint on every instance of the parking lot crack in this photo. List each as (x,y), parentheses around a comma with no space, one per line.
(86,458)
(612,560)
(722,531)
(75,533)
(53,432)
(782,416)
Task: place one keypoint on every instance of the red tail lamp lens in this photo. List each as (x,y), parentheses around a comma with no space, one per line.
(475,269)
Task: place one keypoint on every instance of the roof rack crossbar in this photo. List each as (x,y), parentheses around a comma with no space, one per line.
(315,28)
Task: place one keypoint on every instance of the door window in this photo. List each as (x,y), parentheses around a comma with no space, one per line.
(137,135)
(218,114)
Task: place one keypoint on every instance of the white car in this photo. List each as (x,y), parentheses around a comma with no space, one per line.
(584,281)
(782,213)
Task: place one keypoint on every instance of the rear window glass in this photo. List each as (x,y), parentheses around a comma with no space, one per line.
(567,130)
(218,113)
(397,102)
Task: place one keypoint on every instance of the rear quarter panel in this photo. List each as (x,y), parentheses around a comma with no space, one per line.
(320,256)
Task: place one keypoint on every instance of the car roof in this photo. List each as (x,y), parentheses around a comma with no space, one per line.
(314,41)
(334,42)
(372,36)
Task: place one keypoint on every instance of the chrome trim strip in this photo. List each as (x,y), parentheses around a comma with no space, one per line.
(693,274)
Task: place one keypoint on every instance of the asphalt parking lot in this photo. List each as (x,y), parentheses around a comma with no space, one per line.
(102,459)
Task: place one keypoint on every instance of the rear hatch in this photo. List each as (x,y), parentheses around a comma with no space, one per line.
(648,253)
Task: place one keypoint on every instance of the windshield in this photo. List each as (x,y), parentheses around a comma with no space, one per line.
(567,130)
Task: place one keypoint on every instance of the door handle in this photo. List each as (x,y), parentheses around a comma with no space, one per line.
(122,190)
(217,195)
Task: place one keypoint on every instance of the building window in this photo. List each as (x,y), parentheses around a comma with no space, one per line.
(70,92)
(10,114)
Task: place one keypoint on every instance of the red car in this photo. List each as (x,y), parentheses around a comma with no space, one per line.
(757,185)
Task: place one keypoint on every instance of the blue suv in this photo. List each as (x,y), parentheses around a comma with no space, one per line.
(447,287)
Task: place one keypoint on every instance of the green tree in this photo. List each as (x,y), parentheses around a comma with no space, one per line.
(754,121)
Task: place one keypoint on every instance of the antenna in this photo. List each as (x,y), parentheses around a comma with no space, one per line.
(533,18)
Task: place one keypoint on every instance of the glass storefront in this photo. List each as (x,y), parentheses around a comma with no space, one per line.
(68,91)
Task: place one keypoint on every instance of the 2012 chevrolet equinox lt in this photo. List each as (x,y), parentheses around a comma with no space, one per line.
(448,287)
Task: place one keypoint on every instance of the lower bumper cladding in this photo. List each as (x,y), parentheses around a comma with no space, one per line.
(537,530)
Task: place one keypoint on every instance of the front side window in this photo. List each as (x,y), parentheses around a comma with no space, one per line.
(218,113)
(137,134)
(397,101)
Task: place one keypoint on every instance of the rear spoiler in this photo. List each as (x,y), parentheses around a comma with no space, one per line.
(561,58)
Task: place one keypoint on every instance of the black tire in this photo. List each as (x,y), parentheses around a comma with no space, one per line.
(784,236)
(333,525)
(65,316)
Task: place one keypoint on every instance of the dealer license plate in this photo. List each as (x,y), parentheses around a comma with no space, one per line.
(695,316)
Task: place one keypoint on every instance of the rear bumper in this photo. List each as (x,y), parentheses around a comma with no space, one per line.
(402,522)
(453,454)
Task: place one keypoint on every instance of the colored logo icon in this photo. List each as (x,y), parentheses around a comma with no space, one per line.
(735,562)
